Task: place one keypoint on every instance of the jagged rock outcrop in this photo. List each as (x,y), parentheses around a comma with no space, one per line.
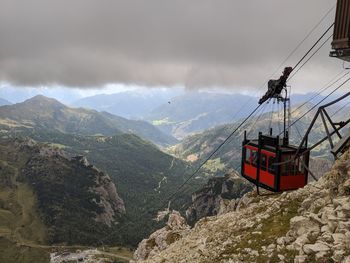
(110,202)
(175,228)
(112,205)
(308,225)
(214,197)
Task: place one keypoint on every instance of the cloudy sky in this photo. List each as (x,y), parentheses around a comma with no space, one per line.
(235,44)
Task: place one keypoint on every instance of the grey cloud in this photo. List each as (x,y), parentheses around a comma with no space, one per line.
(88,43)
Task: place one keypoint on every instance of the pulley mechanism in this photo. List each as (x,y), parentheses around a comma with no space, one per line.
(275,86)
(270,161)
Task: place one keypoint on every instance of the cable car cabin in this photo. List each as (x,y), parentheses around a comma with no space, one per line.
(341,34)
(266,162)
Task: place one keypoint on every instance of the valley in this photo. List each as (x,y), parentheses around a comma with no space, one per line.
(144,175)
(142,170)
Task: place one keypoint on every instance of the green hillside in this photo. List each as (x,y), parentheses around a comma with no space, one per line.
(197,111)
(197,147)
(144,176)
(42,113)
(46,198)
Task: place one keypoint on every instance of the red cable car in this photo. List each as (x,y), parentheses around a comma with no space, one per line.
(270,162)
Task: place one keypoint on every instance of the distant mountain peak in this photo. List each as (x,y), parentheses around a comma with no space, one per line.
(4,102)
(43,100)
(43,113)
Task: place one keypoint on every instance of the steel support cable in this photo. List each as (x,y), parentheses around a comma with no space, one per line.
(312,147)
(326,87)
(232,133)
(312,55)
(221,144)
(210,156)
(279,118)
(252,127)
(258,115)
(337,88)
(295,49)
(296,128)
(313,46)
(169,199)
(271,114)
(300,43)
(340,109)
(302,116)
(239,126)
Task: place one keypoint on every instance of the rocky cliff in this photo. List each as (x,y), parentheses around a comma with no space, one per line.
(73,202)
(308,225)
(213,198)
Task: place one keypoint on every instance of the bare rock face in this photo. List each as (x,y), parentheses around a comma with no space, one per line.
(175,229)
(320,166)
(76,202)
(311,224)
(110,201)
(214,198)
(112,204)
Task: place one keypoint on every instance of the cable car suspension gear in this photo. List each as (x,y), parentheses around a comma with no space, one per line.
(275,86)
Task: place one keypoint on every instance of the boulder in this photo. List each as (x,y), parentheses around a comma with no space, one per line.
(300,242)
(315,248)
(301,225)
(175,229)
(300,259)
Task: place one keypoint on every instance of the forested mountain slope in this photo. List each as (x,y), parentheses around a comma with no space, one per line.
(144,176)
(46,198)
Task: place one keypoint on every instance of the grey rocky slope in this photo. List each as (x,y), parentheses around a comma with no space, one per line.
(209,200)
(311,224)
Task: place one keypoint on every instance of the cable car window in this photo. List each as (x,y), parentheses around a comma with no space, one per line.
(291,167)
(254,158)
(286,166)
(247,155)
(263,162)
(272,166)
(300,165)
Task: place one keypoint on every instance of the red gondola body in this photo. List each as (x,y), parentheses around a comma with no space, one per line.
(268,163)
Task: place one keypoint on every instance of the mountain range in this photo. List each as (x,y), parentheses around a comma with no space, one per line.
(181,114)
(129,104)
(198,111)
(42,113)
(4,102)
